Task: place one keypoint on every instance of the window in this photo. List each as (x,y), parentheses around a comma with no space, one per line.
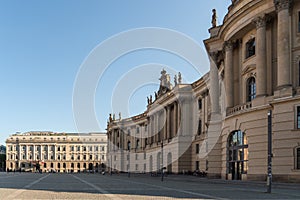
(84,157)
(298,117)
(78,165)
(199,127)
(197,148)
(299,73)
(199,104)
(298,158)
(78,157)
(137,129)
(137,144)
(197,165)
(91,157)
(250,48)
(145,127)
(45,165)
(251,89)
(128,145)
(78,148)
(58,148)
(298,22)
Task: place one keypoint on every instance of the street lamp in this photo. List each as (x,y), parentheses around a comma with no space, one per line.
(162,160)
(269,178)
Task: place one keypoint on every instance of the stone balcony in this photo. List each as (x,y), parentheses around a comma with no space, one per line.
(239,109)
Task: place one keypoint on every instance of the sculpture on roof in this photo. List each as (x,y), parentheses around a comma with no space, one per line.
(214,18)
(179,78)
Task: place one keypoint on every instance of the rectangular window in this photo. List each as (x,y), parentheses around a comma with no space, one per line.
(197,148)
(250,48)
(199,127)
(298,22)
(298,117)
(199,104)
(197,165)
(137,130)
(298,158)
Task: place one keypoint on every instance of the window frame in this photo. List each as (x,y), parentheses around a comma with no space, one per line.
(251,43)
(297,158)
(251,89)
(297,117)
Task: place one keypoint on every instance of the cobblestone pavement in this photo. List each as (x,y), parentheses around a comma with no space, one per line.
(137,186)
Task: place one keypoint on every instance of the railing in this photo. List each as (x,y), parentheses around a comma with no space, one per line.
(239,108)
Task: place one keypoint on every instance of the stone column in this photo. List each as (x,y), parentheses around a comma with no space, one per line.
(178,118)
(261,64)
(214,82)
(229,73)
(168,122)
(165,124)
(283,43)
(175,119)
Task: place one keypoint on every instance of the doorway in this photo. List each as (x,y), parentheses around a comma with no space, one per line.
(237,155)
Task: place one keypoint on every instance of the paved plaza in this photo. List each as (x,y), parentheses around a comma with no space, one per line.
(137,186)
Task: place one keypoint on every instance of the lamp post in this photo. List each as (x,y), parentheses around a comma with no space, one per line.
(269,178)
(129,163)
(162,160)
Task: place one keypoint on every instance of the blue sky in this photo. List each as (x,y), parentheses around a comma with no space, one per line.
(44,43)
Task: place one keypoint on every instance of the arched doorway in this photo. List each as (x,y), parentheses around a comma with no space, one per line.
(169,162)
(237,154)
(151,164)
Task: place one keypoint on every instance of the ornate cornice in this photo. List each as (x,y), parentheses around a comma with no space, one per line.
(282,4)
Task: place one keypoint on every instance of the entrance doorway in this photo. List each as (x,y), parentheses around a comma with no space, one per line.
(237,155)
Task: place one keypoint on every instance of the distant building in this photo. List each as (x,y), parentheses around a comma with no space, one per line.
(59,152)
(2,157)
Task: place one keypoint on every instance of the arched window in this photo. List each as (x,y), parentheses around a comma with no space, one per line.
(237,154)
(251,89)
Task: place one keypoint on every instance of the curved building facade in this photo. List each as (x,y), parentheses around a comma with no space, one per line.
(219,123)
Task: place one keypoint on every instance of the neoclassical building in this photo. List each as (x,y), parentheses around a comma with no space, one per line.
(220,122)
(60,152)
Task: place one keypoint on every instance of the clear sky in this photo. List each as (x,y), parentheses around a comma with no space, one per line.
(44,43)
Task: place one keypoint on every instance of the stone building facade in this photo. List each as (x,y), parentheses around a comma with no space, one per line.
(2,158)
(220,122)
(59,152)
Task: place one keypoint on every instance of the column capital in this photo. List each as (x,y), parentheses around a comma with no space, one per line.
(214,56)
(282,4)
(260,21)
(228,45)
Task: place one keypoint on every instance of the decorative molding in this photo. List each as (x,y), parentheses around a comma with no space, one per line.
(248,69)
(282,4)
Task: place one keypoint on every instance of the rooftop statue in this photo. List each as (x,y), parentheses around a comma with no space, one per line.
(214,18)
